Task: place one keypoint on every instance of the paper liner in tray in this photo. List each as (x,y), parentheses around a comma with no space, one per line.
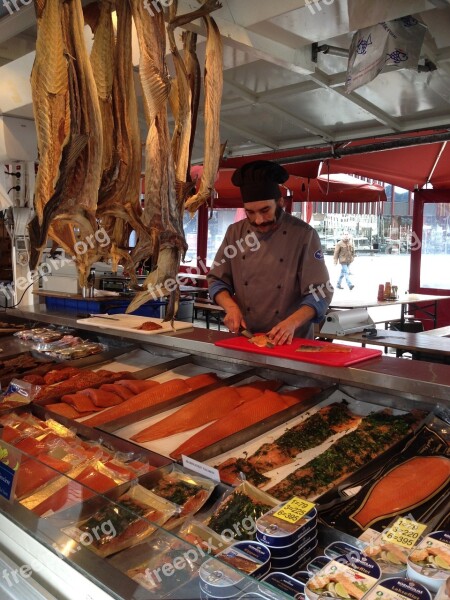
(124,322)
(356,407)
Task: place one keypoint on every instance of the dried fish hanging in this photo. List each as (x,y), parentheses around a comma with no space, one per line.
(213,96)
(165,218)
(118,208)
(69,214)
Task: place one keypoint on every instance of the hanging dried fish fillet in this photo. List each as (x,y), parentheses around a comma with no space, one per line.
(50,91)
(213,97)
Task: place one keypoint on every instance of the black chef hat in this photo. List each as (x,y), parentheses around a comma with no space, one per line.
(259,180)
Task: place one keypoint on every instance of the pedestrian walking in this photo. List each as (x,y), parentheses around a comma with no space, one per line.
(344,254)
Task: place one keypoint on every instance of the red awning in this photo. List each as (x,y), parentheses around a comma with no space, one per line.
(338,188)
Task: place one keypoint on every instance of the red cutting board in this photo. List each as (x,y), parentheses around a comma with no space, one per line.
(337,359)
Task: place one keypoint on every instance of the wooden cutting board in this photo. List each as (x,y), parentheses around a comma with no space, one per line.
(336,359)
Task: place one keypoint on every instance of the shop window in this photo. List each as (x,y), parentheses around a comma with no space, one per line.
(219,220)
(434,271)
(190,226)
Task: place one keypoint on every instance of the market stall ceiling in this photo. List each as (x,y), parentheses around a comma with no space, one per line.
(276,97)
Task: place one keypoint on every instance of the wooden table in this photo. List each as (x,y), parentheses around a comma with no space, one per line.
(421,345)
(406,302)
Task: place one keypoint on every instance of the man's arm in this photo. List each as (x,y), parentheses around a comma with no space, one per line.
(337,250)
(233,317)
(283,333)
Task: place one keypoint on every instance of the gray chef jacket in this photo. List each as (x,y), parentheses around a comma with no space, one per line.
(272,274)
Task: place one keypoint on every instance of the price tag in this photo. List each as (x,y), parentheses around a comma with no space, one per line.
(404,532)
(294,510)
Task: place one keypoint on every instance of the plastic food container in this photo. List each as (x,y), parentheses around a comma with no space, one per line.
(344,578)
(338,548)
(317,564)
(285,583)
(252,558)
(294,561)
(276,532)
(398,588)
(429,563)
(282,551)
(392,558)
(218,580)
(302,576)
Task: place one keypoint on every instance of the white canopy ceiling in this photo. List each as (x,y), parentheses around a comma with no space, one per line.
(276,96)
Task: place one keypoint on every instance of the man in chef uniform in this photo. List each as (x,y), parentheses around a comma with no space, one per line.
(269,273)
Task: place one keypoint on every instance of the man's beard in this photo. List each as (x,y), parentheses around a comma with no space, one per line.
(267,224)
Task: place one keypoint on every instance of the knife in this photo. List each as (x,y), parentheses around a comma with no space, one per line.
(249,335)
(104,317)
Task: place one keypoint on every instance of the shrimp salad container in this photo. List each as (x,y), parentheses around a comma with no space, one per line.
(429,563)
(344,578)
(273,532)
(398,588)
(286,584)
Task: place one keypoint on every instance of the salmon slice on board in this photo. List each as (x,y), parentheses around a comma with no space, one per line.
(387,496)
(204,409)
(250,412)
(151,397)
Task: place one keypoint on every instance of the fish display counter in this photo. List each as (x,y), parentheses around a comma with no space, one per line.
(338,438)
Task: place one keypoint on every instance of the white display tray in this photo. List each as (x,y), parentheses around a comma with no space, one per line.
(123,322)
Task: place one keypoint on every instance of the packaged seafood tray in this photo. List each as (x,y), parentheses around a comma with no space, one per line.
(290,459)
(162,564)
(198,534)
(131,518)
(398,588)
(252,558)
(68,347)
(344,577)
(214,418)
(8,327)
(284,583)
(235,516)
(429,562)
(188,491)
(391,557)
(413,481)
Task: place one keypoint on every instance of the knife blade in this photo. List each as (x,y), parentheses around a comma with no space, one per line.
(104,317)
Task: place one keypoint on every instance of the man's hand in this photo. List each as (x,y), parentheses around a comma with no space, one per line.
(283,333)
(234,319)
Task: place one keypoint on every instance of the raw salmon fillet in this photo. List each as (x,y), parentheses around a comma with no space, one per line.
(81,403)
(422,476)
(151,397)
(204,409)
(250,412)
(202,380)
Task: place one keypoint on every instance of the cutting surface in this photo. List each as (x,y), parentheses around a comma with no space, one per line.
(132,323)
(332,359)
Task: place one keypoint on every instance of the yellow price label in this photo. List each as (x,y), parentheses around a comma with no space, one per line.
(294,510)
(404,532)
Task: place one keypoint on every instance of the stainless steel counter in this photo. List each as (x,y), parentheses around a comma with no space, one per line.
(424,382)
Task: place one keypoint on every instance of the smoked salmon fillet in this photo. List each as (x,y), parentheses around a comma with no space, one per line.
(32,474)
(151,397)
(250,412)
(256,388)
(422,476)
(204,409)
(202,380)
(120,390)
(81,403)
(137,386)
(102,398)
(65,410)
